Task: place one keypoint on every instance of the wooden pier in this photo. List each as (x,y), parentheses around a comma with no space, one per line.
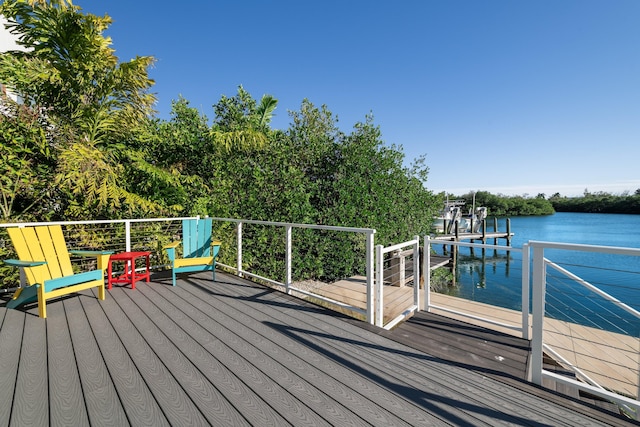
(235,353)
(483,235)
(606,357)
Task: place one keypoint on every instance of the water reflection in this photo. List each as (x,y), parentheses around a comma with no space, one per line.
(494,277)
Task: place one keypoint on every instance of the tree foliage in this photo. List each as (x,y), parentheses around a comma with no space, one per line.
(89,108)
(504,206)
(84,144)
(600,202)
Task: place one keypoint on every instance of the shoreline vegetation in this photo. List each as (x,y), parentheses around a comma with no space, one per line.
(82,142)
(600,202)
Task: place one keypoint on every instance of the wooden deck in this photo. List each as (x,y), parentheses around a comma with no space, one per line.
(235,353)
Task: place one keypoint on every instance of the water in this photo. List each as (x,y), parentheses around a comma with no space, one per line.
(495,277)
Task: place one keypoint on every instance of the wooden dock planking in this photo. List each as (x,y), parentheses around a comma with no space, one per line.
(473,236)
(31,393)
(328,377)
(67,406)
(139,403)
(290,390)
(257,357)
(103,405)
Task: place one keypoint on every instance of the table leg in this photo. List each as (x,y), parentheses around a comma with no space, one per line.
(109,271)
(132,266)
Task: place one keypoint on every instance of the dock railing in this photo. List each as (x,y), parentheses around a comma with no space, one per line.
(521,326)
(246,255)
(606,360)
(393,270)
(584,328)
(109,235)
(151,234)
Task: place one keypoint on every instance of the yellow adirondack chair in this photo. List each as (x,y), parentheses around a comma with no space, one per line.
(199,252)
(44,260)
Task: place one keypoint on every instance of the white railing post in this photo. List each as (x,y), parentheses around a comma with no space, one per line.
(539,285)
(426,271)
(416,273)
(526,262)
(127,231)
(370,272)
(287,260)
(379,285)
(239,239)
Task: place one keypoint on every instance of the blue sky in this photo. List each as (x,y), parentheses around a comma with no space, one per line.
(507,96)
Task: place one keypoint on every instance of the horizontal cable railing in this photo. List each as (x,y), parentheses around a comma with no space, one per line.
(105,235)
(488,283)
(296,257)
(590,330)
(397,266)
(328,264)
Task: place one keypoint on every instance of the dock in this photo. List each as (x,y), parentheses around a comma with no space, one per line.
(233,352)
(482,235)
(575,341)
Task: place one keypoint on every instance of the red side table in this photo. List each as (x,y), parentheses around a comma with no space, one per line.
(130,275)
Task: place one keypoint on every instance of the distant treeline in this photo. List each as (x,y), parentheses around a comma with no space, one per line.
(502,206)
(598,203)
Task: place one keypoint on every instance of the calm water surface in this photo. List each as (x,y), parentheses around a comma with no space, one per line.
(495,277)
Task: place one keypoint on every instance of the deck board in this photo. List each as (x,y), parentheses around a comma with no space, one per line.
(103,404)
(31,394)
(10,345)
(217,362)
(292,390)
(439,385)
(66,401)
(330,378)
(170,345)
(235,353)
(140,405)
(176,405)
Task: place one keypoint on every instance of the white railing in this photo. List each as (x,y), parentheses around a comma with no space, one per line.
(287,280)
(115,235)
(146,234)
(397,273)
(522,326)
(123,235)
(605,360)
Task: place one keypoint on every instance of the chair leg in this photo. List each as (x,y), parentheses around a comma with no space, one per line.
(173,276)
(42,302)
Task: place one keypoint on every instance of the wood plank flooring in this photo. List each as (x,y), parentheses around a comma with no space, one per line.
(235,353)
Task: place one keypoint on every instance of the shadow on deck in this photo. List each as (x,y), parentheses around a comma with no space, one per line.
(236,353)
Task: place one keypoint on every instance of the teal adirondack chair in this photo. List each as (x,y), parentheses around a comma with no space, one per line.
(199,251)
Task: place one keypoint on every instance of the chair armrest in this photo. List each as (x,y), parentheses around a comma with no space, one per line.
(18,263)
(171,245)
(216,243)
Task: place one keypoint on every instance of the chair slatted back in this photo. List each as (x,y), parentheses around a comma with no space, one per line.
(196,237)
(42,243)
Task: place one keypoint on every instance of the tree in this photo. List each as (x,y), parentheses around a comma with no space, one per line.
(91,106)
(26,161)
(240,122)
